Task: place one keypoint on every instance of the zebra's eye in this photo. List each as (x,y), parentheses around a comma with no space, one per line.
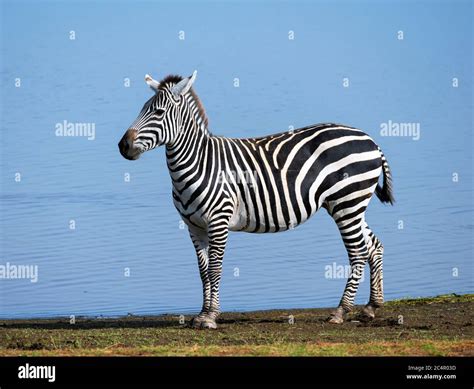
(160,112)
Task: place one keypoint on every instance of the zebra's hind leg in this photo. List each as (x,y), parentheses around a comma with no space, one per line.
(376,273)
(200,243)
(351,230)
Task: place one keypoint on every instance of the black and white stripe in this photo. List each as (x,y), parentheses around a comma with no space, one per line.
(266,184)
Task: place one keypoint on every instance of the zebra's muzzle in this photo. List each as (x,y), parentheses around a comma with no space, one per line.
(126,147)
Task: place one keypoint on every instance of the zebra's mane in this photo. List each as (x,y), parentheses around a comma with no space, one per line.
(173,79)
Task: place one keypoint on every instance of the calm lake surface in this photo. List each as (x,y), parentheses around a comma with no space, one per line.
(128,252)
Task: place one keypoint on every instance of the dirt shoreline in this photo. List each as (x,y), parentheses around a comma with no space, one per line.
(440,325)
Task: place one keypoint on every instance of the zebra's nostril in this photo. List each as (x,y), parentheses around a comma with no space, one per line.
(123,146)
(126,145)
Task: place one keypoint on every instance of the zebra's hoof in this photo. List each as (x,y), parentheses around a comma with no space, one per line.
(336,320)
(196,321)
(203,322)
(208,324)
(369,311)
(337,317)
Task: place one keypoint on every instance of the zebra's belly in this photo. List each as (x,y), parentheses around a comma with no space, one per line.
(261,222)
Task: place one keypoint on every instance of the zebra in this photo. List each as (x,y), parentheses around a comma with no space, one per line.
(265,184)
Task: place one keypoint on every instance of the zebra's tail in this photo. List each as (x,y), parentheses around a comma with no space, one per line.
(385,192)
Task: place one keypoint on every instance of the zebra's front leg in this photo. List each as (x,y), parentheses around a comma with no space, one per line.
(200,243)
(218,231)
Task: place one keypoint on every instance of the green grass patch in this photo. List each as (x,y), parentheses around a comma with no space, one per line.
(444,298)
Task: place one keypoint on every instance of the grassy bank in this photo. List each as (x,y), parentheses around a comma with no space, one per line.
(441,325)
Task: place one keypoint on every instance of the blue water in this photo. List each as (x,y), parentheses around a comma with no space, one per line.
(133,225)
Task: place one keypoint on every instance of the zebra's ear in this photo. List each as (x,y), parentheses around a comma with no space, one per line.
(153,84)
(184,85)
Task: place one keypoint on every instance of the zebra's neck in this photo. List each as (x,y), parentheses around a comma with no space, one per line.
(191,143)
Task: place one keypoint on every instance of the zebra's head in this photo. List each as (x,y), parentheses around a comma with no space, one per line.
(159,121)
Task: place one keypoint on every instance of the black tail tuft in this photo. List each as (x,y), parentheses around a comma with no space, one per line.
(385,192)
